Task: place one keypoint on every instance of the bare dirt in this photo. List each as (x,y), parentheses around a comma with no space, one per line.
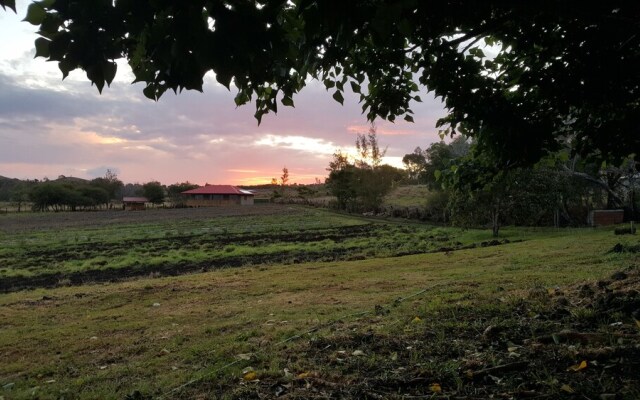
(28,222)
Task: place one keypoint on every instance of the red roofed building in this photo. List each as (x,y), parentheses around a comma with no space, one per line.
(217,195)
(134,203)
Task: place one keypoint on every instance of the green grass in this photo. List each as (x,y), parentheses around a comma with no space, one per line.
(407,196)
(181,245)
(153,335)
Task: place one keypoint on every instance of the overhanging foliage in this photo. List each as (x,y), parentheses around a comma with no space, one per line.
(564,72)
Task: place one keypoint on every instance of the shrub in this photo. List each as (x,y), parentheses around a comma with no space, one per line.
(625,231)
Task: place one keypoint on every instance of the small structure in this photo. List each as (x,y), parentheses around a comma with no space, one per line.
(134,203)
(217,195)
(606,217)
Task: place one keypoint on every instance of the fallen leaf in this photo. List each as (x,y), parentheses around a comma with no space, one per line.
(578,367)
(303,375)
(250,376)
(416,320)
(567,388)
(357,353)
(435,388)
(512,348)
(245,357)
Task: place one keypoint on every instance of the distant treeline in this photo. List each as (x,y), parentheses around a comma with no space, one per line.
(64,193)
(75,194)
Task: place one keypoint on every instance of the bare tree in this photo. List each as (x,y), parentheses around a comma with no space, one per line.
(369,150)
(284,179)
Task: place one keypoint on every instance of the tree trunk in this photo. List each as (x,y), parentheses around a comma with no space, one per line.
(495,217)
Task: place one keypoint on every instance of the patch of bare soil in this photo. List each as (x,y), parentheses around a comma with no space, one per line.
(582,342)
(17,223)
(38,260)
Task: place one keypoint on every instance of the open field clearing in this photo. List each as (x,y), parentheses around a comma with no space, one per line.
(546,317)
(48,250)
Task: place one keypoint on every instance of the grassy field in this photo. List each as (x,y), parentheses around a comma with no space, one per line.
(514,320)
(48,249)
(407,196)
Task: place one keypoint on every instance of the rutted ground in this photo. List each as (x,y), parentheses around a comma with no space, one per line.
(511,321)
(31,261)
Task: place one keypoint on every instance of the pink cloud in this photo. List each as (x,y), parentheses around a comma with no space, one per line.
(381,130)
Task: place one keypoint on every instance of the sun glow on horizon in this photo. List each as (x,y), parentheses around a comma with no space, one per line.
(302,143)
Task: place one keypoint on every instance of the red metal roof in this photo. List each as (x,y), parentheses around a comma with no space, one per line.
(218,189)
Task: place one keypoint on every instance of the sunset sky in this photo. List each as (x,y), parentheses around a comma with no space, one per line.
(50,127)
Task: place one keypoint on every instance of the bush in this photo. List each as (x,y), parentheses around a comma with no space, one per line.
(436,209)
(625,231)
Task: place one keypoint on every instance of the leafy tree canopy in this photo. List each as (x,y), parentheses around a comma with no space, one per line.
(153,191)
(564,72)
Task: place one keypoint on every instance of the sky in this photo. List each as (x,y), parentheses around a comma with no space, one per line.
(50,127)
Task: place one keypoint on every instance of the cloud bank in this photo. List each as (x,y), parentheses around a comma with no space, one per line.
(49,127)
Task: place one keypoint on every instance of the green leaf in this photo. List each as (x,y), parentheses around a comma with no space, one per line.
(42,48)
(96,76)
(58,48)
(224,78)
(241,98)
(337,96)
(287,101)
(417,98)
(8,3)
(66,66)
(109,70)
(408,118)
(328,83)
(564,156)
(35,14)
(355,87)
(258,115)
(150,92)
(405,27)
(50,26)
(476,52)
